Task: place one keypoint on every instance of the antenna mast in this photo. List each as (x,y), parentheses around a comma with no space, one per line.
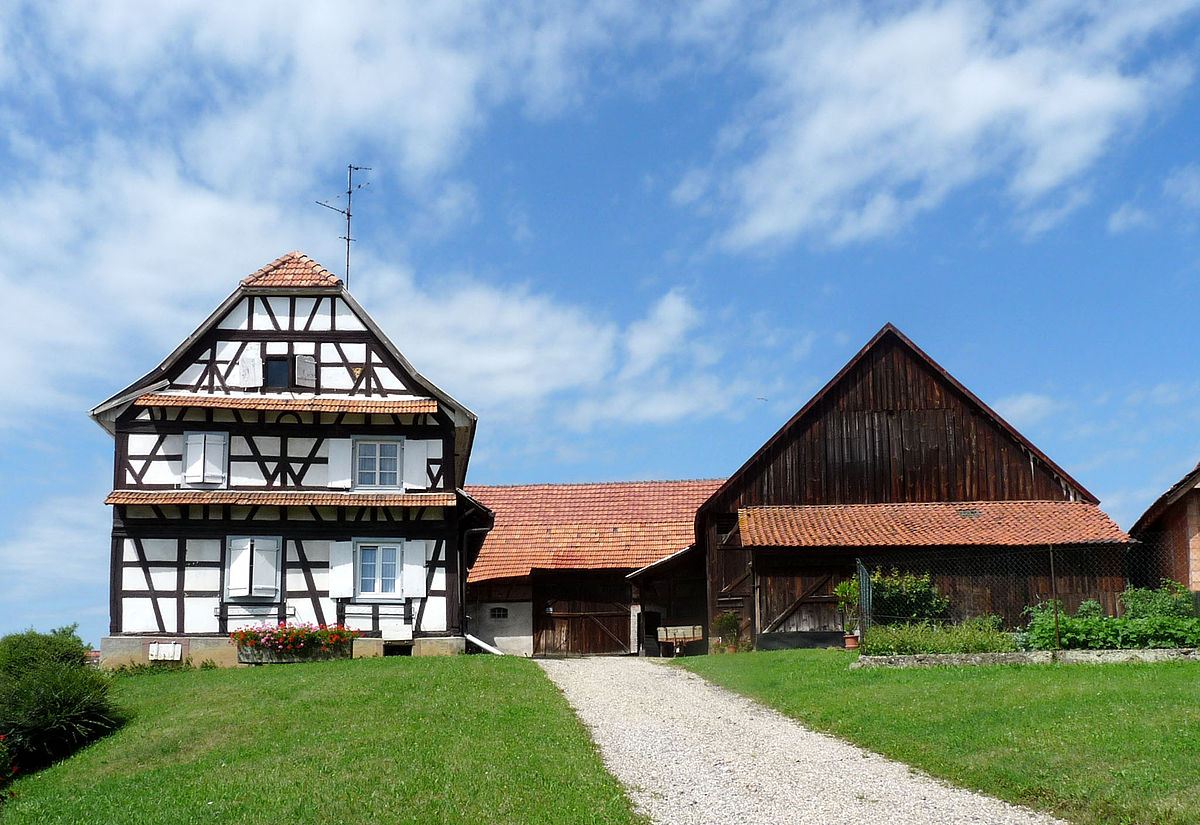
(350,190)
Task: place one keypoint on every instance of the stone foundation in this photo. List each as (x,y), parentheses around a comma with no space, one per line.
(134,650)
(440,646)
(1037,657)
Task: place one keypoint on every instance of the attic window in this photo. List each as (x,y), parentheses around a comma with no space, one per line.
(969,512)
(278,373)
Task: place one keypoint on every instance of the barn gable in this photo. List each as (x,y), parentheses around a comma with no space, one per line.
(894,426)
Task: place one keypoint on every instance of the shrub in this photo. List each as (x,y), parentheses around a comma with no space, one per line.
(978,635)
(1170,599)
(727,627)
(8,769)
(1153,618)
(52,709)
(19,652)
(848,603)
(898,597)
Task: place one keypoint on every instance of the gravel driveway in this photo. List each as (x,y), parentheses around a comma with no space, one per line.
(690,752)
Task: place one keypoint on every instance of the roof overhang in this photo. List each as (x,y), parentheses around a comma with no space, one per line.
(298,498)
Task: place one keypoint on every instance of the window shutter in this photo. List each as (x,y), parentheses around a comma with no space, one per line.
(237,581)
(340,463)
(306,371)
(341,569)
(414,569)
(193,459)
(250,371)
(416,477)
(214,458)
(266,568)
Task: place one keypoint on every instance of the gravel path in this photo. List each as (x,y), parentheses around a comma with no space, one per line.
(690,752)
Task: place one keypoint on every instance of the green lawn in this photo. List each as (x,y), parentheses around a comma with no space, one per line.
(468,739)
(1091,743)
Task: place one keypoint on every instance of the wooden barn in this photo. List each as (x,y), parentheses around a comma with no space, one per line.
(1169,532)
(895,459)
(286,463)
(551,578)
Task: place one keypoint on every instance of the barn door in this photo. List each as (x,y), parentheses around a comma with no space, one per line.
(802,601)
(580,616)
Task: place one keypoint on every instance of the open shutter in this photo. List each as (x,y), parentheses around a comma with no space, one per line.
(340,450)
(306,371)
(341,569)
(193,459)
(414,569)
(416,477)
(250,371)
(214,458)
(265,573)
(237,581)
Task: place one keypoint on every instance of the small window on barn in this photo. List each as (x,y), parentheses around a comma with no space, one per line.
(498,613)
(278,373)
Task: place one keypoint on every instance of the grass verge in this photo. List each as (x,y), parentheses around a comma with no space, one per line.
(467,739)
(1092,743)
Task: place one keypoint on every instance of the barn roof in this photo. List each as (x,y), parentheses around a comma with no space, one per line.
(887,335)
(291,271)
(288,403)
(605,526)
(964,523)
(1160,505)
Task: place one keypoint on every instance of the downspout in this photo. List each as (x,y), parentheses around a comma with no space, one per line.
(463,586)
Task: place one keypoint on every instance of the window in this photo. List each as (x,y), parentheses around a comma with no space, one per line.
(498,613)
(204,458)
(278,373)
(377,463)
(378,566)
(252,567)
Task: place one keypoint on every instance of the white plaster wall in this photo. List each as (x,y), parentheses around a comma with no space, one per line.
(199,615)
(235,318)
(346,319)
(513,635)
(435,613)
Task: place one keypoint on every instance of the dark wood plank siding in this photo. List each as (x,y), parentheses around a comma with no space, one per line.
(892,427)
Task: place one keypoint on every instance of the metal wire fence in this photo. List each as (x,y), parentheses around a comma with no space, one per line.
(1004,582)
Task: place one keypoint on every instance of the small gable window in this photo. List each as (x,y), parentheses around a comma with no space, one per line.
(278,373)
(498,613)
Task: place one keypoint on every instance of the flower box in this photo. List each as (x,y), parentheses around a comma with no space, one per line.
(254,655)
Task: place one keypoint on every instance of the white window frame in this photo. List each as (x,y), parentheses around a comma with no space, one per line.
(223,481)
(377,440)
(377,595)
(279,561)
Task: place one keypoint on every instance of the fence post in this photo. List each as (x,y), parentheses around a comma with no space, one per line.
(1054,599)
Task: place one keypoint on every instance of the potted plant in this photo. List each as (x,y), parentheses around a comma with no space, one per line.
(846,593)
(283,643)
(726,628)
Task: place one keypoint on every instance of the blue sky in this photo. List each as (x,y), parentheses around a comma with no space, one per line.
(633,241)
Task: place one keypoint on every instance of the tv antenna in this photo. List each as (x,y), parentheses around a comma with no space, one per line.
(350,190)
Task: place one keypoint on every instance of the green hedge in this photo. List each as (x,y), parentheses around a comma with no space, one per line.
(51,703)
(979,635)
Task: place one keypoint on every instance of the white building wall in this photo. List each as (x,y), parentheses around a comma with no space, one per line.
(513,635)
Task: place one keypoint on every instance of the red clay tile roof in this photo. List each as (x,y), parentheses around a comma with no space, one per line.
(615,526)
(323,404)
(299,498)
(292,270)
(974,523)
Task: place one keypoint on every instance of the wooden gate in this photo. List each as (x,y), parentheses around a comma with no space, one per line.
(580,614)
(798,598)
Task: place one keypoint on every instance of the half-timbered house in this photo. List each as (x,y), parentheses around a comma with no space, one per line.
(892,458)
(551,579)
(286,463)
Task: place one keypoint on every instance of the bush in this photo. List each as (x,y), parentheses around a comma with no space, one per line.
(727,627)
(1153,618)
(20,652)
(49,711)
(898,597)
(978,635)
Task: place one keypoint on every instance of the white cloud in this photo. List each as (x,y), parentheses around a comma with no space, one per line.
(869,118)
(1128,217)
(1026,409)
(1183,184)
